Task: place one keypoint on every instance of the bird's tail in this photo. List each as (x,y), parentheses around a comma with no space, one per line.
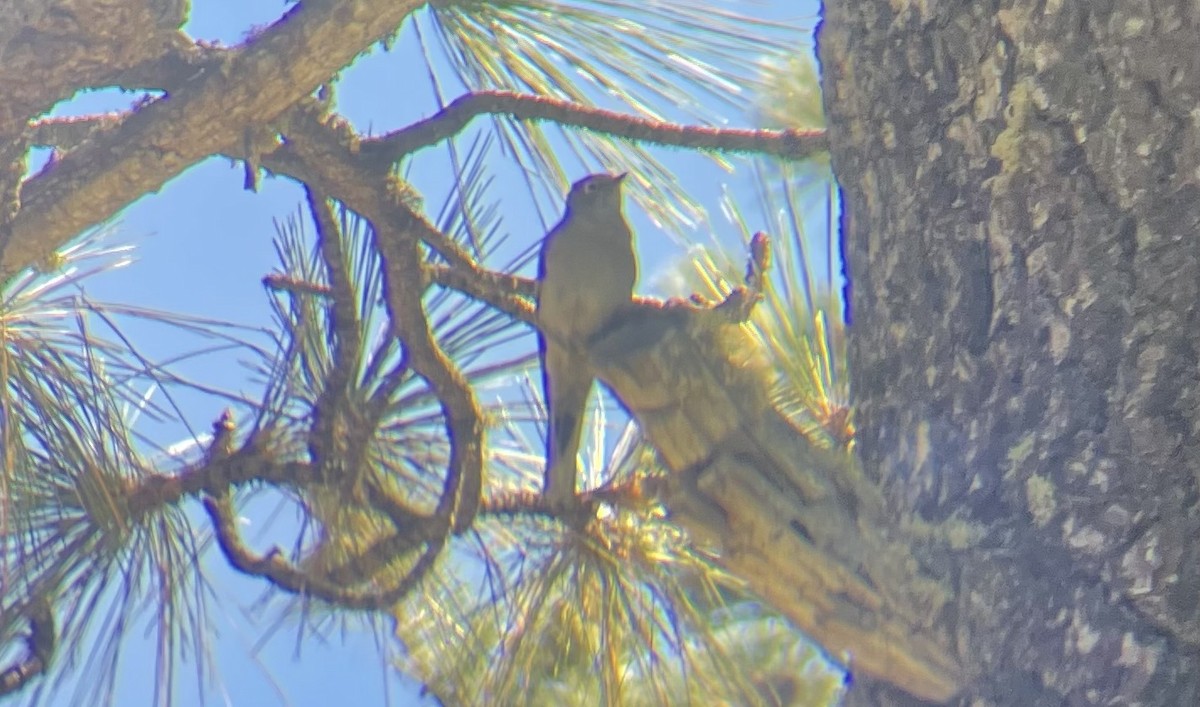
(567,385)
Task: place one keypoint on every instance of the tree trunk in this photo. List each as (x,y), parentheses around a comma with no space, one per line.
(1021,214)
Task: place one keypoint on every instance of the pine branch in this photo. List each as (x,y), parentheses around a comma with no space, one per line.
(321,152)
(787,144)
(286,576)
(204,116)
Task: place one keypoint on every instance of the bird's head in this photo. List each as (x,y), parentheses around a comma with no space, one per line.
(596,192)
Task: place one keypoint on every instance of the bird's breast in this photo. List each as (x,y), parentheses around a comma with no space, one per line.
(583,286)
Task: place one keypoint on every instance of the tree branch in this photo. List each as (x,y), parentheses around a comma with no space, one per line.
(245,466)
(743,478)
(403,286)
(324,154)
(69,133)
(332,157)
(285,575)
(510,294)
(208,114)
(788,144)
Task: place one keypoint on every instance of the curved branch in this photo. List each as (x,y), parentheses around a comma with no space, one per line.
(395,237)
(788,144)
(508,293)
(318,152)
(337,439)
(285,575)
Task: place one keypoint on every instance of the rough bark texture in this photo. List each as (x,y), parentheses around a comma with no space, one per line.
(50,48)
(782,511)
(216,96)
(1022,201)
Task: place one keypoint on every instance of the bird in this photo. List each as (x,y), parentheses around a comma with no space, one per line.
(587,269)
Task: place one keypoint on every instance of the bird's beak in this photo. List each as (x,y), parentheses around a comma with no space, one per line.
(621,177)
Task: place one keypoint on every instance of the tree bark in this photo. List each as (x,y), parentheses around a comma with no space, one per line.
(785,511)
(1021,207)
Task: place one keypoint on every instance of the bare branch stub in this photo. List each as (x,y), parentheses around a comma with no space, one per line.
(295,286)
(759,261)
(49,55)
(744,479)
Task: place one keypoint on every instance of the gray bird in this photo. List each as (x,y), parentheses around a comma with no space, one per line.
(586,271)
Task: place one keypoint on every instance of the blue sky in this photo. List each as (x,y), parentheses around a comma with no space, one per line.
(203,246)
